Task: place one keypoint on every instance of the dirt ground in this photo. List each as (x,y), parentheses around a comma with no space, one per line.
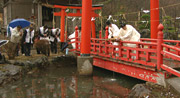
(34,55)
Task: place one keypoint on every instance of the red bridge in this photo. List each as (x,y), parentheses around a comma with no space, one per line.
(152,56)
(154,60)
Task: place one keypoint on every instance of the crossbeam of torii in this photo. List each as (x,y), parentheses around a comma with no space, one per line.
(63,14)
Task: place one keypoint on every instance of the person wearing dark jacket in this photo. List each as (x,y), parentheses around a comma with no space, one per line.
(44,33)
(54,38)
(28,40)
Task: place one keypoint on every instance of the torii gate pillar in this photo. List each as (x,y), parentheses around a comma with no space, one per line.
(86,27)
(85,61)
(62,26)
(154,8)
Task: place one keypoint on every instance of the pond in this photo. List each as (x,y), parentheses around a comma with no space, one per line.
(64,82)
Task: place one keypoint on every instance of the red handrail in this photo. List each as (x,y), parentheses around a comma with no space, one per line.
(149,54)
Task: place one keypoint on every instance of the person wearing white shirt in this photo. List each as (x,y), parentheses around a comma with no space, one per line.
(54,38)
(73,36)
(129,33)
(28,40)
(44,33)
(16,34)
(113,31)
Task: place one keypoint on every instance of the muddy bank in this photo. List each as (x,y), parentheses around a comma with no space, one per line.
(14,69)
(152,90)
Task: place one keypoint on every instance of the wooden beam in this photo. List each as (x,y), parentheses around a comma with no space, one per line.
(74,7)
(57,13)
(74,14)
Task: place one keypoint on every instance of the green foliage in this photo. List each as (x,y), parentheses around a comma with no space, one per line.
(169,28)
(107,1)
(145,17)
(144,26)
(144,23)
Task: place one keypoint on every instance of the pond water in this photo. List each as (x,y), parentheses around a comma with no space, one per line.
(64,82)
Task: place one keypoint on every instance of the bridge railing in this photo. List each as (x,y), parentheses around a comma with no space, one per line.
(164,50)
(141,55)
(75,41)
(147,52)
(170,42)
(174,43)
(171,52)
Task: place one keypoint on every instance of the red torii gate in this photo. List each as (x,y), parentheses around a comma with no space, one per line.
(154,16)
(63,14)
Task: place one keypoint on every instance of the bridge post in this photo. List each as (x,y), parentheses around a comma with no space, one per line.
(76,37)
(106,34)
(100,34)
(100,41)
(66,36)
(106,42)
(85,61)
(159,47)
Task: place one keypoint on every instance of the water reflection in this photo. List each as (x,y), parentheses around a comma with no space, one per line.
(65,83)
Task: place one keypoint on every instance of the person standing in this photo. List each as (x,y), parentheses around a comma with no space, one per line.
(28,40)
(43,34)
(16,36)
(54,38)
(9,30)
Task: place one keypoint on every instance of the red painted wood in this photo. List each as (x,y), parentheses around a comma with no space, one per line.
(159,47)
(139,73)
(171,47)
(86,26)
(146,56)
(171,55)
(100,34)
(76,36)
(78,14)
(154,6)
(106,33)
(62,25)
(57,13)
(171,70)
